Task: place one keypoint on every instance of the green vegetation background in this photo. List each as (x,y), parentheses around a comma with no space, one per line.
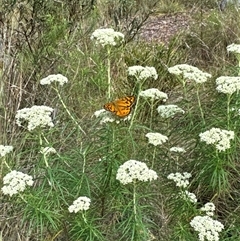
(49,37)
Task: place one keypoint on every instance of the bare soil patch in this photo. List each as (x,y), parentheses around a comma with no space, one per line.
(162,28)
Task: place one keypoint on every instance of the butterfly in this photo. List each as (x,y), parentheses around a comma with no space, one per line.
(120,107)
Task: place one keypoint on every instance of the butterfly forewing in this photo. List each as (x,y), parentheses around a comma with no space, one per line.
(109,107)
(120,107)
(125,102)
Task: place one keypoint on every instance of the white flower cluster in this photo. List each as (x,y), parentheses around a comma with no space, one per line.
(218,137)
(190,73)
(235,48)
(107,36)
(154,94)
(237,111)
(35,116)
(15,182)
(142,73)
(5,150)
(54,78)
(207,228)
(167,111)
(191,197)
(156,138)
(181,180)
(107,117)
(177,149)
(80,204)
(47,150)
(133,170)
(209,208)
(228,84)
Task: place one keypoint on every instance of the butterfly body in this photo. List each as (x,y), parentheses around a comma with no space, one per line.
(120,107)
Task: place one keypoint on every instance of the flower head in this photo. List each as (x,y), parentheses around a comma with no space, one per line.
(218,137)
(133,170)
(207,228)
(181,180)
(107,36)
(106,117)
(47,150)
(5,150)
(167,111)
(154,94)
(190,72)
(80,204)
(209,208)
(177,149)
(54,78)
(235,48)
(15,182)
(156,138)
(142,73)
(228,84)
(36,116)
(189,196)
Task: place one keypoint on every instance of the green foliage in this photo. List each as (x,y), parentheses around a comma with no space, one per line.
(50,37)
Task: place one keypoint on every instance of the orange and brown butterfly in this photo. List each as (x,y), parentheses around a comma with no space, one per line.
(120,107)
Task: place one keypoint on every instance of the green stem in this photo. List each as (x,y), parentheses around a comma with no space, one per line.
(134,202)
(228,110)
(151,113)
(4,161)
(65,107)
(84,218)
(154,155)
(238,58)
(134,113)
(83,167)
(21,196)
(200,106)
(109,73)
(182,81)
(45,160)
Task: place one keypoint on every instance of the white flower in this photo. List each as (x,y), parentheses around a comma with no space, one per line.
(35,116)
(177,149)
(47,150)
(167,111)
(142,73)
(107,117)
(209,208)
(191,197)
(235,48)
(15,182)
(107,36)
(80,204)
(190,73)
(156,138)
(5,150)
(181,180)
(218,137)
(228,84)
(207,228)
(154,94)
(133,170)
(237,111)
(100,113)
(54,78)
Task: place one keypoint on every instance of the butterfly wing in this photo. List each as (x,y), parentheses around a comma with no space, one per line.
(125,102)
(120,107)
(123,111)
(110,107)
